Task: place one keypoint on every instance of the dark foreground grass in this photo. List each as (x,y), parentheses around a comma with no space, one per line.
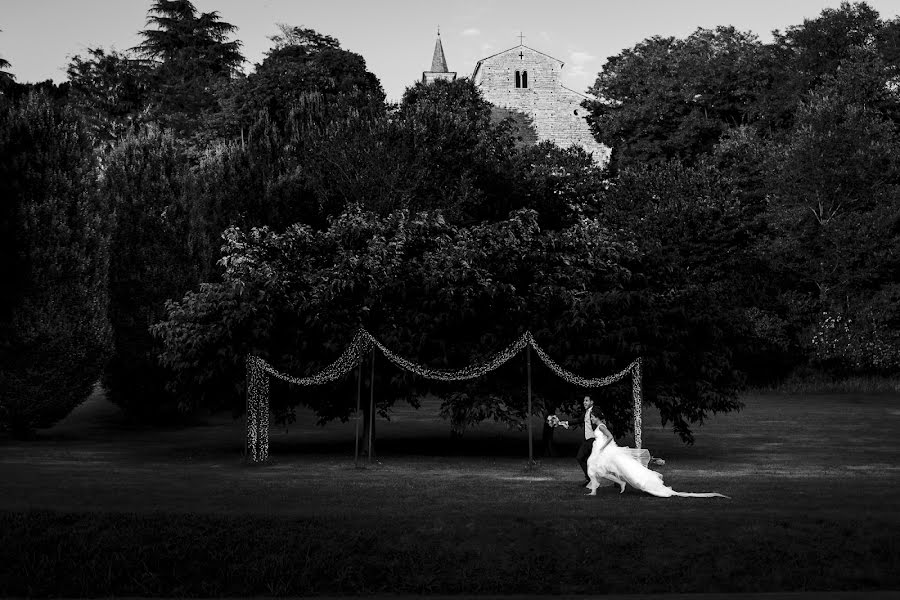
(92,508)
(56,554)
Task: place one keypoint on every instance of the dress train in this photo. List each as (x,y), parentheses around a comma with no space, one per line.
(623,466)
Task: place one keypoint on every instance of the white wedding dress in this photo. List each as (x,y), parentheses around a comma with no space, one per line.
(628,466)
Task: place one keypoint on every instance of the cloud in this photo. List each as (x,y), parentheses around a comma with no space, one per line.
(578,72)
(580,58)
(471,32)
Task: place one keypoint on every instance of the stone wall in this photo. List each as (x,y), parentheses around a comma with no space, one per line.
(556,110)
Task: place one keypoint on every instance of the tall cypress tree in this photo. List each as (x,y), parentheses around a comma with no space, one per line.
(54,227)
(150,263)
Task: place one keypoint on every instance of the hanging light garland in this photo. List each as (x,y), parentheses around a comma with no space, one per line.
(258,389)
(470,372)
(362,343)
(575,379)
(347,361)
(634,369)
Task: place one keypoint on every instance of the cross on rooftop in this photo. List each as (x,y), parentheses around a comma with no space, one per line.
(521,37)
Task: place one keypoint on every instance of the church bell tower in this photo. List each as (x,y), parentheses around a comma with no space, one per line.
(438,65)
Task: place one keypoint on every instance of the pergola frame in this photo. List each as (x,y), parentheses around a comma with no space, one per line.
(363,345)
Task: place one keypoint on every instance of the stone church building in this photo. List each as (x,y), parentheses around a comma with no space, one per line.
(527,81)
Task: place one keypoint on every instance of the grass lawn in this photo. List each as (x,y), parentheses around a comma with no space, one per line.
(96,508)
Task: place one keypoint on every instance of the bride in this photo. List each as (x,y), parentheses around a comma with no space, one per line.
(622,465)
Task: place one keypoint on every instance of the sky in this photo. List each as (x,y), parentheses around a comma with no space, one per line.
(396,37)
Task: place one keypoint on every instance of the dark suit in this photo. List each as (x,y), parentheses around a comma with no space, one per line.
(584,450)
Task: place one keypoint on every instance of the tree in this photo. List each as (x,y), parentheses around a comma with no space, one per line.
(5,76)
(308,70)
(465,158)
(309,39)
(191,55)
(111,90)
(807,56)
(446,295)
(834,211)
(562,184)
(669,98)
(440,149)
(151,260)
(820,45)
(54,227)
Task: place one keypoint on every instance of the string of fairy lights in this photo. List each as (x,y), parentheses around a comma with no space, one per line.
(258,372)
(636,386)
(470,372)
(634,369)
(352,355)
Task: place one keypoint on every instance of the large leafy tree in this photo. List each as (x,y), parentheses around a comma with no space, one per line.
(446,295)
(669,98)
(820,45)
(192,56)
(440,148)
(834,213)
(811,54)
(801,134)
(447,129)
(698,232)
(305,64)
(293,127)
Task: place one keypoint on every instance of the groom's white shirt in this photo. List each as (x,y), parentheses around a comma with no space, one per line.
(588,430)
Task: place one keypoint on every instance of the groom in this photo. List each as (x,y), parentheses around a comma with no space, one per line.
(588,420)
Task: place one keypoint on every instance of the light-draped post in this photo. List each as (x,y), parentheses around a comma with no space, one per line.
(372,408)
(528,368)
(247,407)
(358,394)
(637,392)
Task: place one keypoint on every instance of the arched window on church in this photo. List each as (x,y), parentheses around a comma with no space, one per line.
(524,79)
(518,80)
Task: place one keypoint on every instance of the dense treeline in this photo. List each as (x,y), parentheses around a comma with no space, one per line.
(801,137)
(164,215)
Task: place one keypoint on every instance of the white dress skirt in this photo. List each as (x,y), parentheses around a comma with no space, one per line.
(622,465)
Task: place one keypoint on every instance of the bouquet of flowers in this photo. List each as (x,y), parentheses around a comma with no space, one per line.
(552,420)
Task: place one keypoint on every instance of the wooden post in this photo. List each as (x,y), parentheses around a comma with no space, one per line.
(358,394)
(372,408)
(530,443)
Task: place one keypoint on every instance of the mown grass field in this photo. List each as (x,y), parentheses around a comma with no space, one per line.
(96,508)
